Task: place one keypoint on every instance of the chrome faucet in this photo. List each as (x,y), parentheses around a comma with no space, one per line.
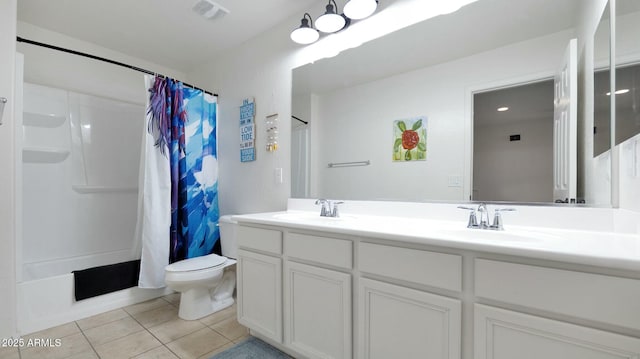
(483,212)
(326,210)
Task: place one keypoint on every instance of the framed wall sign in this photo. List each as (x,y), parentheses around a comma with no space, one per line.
(247,130)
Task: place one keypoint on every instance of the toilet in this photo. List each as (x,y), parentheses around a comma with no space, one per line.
(206,283)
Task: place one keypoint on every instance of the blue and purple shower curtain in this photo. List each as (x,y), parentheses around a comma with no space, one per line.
(184,167)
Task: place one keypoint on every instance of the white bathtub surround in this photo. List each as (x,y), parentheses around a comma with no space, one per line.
(47,302)
(78,187)
(410,280)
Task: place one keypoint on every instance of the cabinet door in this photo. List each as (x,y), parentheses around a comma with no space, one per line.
(318,311)
(260,293)
(399,322)
(503,334)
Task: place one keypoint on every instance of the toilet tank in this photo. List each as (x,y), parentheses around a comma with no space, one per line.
(228,238)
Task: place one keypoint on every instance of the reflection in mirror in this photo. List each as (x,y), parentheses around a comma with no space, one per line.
(299,156)
(513,144)
(627,70)
(352,100)
(601,85)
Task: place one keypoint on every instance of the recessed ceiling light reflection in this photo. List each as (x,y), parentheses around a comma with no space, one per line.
(619,92)
(503,109)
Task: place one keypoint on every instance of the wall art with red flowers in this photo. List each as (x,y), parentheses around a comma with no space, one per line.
(410,139)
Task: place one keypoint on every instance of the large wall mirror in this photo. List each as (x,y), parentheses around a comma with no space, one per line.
(356,112)
(627,94)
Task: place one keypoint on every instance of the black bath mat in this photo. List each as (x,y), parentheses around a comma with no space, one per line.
(96,281)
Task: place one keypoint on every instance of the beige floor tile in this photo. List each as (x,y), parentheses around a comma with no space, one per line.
(217,351)
(60,331)
(241,338)
(173,298)
(112,331)
(156,316)
(219,316)
(174,329)
(230,328)
(84,355)
(157,353)
(70,345)
(197,344)
(145,306)
(9,353)
(101,319)
(128,346)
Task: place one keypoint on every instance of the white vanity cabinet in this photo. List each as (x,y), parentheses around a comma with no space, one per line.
(317,311)
(317,295)
(320,293)
(259,273)
(502,334)
(399,322)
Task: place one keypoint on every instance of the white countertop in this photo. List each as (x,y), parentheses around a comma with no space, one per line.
(595,248)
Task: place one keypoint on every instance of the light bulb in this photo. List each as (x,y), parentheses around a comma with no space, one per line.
(360,9)
(330,21)
(305,34)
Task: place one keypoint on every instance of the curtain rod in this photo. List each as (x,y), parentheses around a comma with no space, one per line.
(303,121)
(84,54)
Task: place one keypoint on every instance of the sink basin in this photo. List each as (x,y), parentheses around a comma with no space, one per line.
(508,235)
(309,216)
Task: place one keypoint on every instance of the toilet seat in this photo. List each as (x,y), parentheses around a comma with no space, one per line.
(197,263)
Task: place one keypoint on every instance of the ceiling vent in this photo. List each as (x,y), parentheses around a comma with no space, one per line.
(209,9)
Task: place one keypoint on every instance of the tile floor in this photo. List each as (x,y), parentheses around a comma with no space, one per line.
(150,329)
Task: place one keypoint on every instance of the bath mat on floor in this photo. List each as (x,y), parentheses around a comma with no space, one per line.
(252,348)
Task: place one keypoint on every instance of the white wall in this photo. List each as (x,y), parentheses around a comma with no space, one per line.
(356,123)
(8,10)
(57,69)
(261,68)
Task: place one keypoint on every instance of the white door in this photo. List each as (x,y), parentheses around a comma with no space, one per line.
(565,127)
(503,334)
(260,293)
(399,322)
(317,311)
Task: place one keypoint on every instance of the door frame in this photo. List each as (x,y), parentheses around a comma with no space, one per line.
(470,91)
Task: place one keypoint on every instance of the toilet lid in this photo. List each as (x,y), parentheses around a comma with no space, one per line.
(197,263)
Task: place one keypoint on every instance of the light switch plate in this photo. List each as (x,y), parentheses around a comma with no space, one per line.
(454,181)
(277,175)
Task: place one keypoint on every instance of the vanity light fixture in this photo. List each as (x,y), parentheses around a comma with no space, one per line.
(331,21)
(503,109)
(360,9)
(305,34)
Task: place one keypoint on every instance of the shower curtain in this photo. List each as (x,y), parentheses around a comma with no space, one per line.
(178,207)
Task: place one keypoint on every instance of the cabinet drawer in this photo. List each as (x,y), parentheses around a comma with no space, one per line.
(602,298)
(332,251)
(413,265)
(266,240)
